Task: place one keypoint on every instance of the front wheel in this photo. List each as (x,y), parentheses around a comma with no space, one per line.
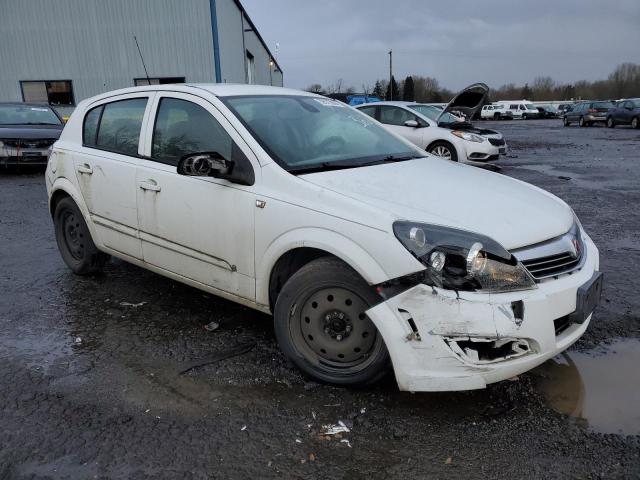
(74,239)
(581,122)
(524,116)
(565,120)
(635,123)
(610,122)
(322,326)
(444,150)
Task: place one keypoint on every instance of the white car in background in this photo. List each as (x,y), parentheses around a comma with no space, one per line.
(440,132)
(522,109)
(369,254)
(496,112)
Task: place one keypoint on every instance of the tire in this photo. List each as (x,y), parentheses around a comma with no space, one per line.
(496,116)
(74,240)
(611,122)
(339,350)
(635,122)
(582,123)
(440,149)
(566,122)
(524,116)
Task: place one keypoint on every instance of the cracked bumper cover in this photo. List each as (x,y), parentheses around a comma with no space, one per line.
(429,361)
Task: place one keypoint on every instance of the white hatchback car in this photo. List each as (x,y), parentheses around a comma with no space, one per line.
(441,132)
(369,253)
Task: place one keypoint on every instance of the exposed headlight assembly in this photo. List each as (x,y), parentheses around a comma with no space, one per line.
(472,137)
(461,260)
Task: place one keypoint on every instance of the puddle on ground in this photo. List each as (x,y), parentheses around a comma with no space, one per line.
(600,387)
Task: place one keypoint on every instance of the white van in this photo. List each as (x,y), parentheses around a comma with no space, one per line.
(496,112)
(523,109)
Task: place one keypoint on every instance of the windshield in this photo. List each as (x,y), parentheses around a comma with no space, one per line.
(27,115)
(433,113)
(305,133)
(531,107)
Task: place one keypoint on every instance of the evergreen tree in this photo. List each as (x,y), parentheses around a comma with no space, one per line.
(392,88)
(526,93)
(378,91)
(408,93)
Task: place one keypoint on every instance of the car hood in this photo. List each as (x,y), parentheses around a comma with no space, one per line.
(468,101)
(442,192)
(30,131)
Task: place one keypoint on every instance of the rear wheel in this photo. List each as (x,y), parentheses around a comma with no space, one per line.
(581,122)
(635,122)
(74,239)
(496,116)
(524,116)
(610,122)
(566,122)
(444,150)
(322,327)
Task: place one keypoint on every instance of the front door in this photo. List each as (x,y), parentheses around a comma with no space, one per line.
(394,119)
(105,167)
(200,228)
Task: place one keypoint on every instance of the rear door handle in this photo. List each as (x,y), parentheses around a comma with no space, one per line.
(150,184)
(85,168)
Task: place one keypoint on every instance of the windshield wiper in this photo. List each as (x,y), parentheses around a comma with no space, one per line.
(327,166)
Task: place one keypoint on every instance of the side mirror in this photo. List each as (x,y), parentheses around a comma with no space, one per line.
(205,164)
(411,123)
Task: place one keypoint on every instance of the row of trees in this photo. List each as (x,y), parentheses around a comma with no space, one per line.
(623,82)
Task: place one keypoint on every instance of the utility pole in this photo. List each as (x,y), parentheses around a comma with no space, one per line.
(390,74)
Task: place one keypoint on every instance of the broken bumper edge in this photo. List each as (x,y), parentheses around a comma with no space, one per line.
(431,334)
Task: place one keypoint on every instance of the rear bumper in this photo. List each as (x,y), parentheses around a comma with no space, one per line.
(596,118)
(435,350)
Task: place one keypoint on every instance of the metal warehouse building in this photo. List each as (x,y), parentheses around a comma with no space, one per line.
(63,51)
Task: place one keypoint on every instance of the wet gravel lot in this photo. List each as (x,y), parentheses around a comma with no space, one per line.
(93,381)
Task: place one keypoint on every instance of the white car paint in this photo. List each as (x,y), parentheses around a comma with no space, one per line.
(425,135)
(519,108)
(225,238)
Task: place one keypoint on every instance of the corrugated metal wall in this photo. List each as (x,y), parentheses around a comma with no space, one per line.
(91,43)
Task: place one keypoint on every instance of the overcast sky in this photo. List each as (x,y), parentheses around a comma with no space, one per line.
(457,41)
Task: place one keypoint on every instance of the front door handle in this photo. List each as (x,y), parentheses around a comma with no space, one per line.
(150,185)
(85,168)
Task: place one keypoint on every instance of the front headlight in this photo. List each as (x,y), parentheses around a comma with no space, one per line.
(472,137)
(461,260)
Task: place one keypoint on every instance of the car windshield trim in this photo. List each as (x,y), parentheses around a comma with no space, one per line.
(302,167)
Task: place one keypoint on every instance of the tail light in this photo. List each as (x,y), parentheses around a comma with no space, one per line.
(592,110)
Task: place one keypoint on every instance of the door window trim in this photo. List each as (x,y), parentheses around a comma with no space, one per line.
(119,98)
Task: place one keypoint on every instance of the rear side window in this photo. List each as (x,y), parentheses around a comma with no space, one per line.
(119,126)
(371,111)
(182,127)
(90,127)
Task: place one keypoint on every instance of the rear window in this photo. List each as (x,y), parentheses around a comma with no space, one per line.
(115,126)
(603,105)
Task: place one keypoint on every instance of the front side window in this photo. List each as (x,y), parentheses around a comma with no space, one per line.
(182,127)
(302,132)
(17,114)
(120,125)
(54,92)
(434,113)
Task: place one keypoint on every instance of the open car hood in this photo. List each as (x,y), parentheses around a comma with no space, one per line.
(468,101)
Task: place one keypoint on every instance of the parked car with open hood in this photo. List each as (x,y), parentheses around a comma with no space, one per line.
(369,253)
(441,132)
(625,112)
(586,114)
(27,132)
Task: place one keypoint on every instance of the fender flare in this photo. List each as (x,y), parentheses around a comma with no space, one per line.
(322,239)
(65,185)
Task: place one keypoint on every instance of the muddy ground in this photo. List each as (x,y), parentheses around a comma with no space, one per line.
(90,382)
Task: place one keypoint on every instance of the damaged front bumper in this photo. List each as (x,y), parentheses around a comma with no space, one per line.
(439,340)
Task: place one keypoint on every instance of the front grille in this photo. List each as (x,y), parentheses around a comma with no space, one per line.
(40,143)
(545,267)
(496,142)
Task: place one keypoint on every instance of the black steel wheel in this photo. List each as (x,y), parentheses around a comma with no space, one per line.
(322,327)
(74,239)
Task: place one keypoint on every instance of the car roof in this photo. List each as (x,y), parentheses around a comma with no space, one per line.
(217,89)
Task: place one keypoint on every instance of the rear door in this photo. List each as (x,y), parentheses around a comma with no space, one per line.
(200,228)
(106,169)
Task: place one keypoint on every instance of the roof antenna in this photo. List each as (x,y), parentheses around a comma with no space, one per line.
(141,58)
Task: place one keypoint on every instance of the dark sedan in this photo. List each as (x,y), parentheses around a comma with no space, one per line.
(588,113)
(27,132)
(626,112)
